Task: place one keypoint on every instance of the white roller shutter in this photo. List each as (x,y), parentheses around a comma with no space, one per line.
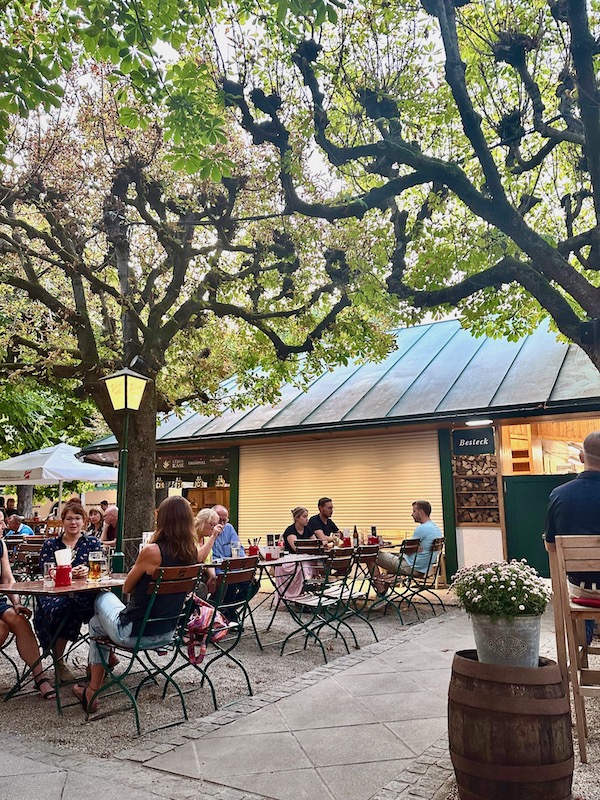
(372,480)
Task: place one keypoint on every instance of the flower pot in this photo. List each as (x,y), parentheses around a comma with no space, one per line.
(507,641)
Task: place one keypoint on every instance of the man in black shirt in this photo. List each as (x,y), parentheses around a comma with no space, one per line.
(10,507)
(323,527)
(574,508)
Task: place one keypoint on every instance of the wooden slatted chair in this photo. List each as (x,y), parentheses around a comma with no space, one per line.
(309,546)
(425,587)
(579,554)
(238,574)
(395,584)
(321,610)
(557,608)
(354,593)
(53,527)
(26,559)
(165,581)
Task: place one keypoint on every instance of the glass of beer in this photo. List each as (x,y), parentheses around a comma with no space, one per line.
(95,566)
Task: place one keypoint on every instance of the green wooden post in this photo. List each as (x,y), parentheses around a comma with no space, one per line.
(449,513)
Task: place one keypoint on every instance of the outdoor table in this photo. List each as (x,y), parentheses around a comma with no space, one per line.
(39,588)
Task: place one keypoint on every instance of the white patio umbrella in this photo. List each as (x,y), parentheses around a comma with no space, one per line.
(52,465)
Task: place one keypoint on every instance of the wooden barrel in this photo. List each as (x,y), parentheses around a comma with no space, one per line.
(509,730)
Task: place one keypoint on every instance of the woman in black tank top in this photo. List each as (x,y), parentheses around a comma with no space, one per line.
(173,544)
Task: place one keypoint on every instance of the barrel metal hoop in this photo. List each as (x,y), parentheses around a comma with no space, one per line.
(527,676)
(524,705)
(506,773)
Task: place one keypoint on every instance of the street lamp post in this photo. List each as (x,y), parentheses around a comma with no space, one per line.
(125,389)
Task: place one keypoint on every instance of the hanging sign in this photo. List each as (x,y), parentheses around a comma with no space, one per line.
(473,441)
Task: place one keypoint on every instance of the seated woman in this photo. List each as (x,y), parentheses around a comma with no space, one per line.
(14,618)
(63,614)
(208,524)
(208,528)
(173,545)
(289,578)
(96,521)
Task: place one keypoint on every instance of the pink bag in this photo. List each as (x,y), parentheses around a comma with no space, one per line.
(199,626)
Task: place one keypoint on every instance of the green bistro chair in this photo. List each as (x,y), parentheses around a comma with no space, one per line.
(145,661)
(423,587)
(355,593)
(238,575)
(396,594)
(324,608)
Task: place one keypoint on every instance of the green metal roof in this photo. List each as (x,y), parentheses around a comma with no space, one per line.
(438,372)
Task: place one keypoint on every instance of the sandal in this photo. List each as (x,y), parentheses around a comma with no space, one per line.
(49,694)
(83,699)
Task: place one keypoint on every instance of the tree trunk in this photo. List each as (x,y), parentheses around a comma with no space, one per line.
(25,501)
(139,508)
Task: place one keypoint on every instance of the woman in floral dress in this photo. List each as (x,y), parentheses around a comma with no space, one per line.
(69,612)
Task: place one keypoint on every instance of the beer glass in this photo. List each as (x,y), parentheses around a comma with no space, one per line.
(95,566)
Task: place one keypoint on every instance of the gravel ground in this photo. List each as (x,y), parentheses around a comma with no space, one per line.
(36,719)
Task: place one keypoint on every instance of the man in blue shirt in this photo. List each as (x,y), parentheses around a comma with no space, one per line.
(222,549)
(574,508)
(14,525)
(222,545)
(426,531)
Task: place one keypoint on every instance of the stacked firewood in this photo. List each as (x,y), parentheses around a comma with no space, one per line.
(476,485)
(475,465)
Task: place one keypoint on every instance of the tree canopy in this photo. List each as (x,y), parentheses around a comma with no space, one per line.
(109,254)
(42,40)
(469,131)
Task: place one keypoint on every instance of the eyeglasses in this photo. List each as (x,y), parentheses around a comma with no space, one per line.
(72,519)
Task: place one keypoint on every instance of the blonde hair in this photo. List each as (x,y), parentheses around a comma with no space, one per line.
(204,516)
(298,511)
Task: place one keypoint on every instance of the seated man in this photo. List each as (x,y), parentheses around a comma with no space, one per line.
(574,509)
(322,526)
(222,549)
(10,507)
(109,529)
(418,564)
(16,527)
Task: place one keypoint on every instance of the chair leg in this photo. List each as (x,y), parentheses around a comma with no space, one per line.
(581,724)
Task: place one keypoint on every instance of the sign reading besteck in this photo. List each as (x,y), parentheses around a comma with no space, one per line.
(473,441)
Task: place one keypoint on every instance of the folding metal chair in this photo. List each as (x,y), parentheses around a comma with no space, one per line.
(53,527)
(354,594)
(579,554)
(423,587)
(324,608)
(165,581)
(242,580)
(26,558)
(304,546)
(396,583)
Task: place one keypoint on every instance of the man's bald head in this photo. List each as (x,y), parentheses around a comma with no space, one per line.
(222,512)
(591,451)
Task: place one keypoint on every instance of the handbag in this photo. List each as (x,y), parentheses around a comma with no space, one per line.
(199,625)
